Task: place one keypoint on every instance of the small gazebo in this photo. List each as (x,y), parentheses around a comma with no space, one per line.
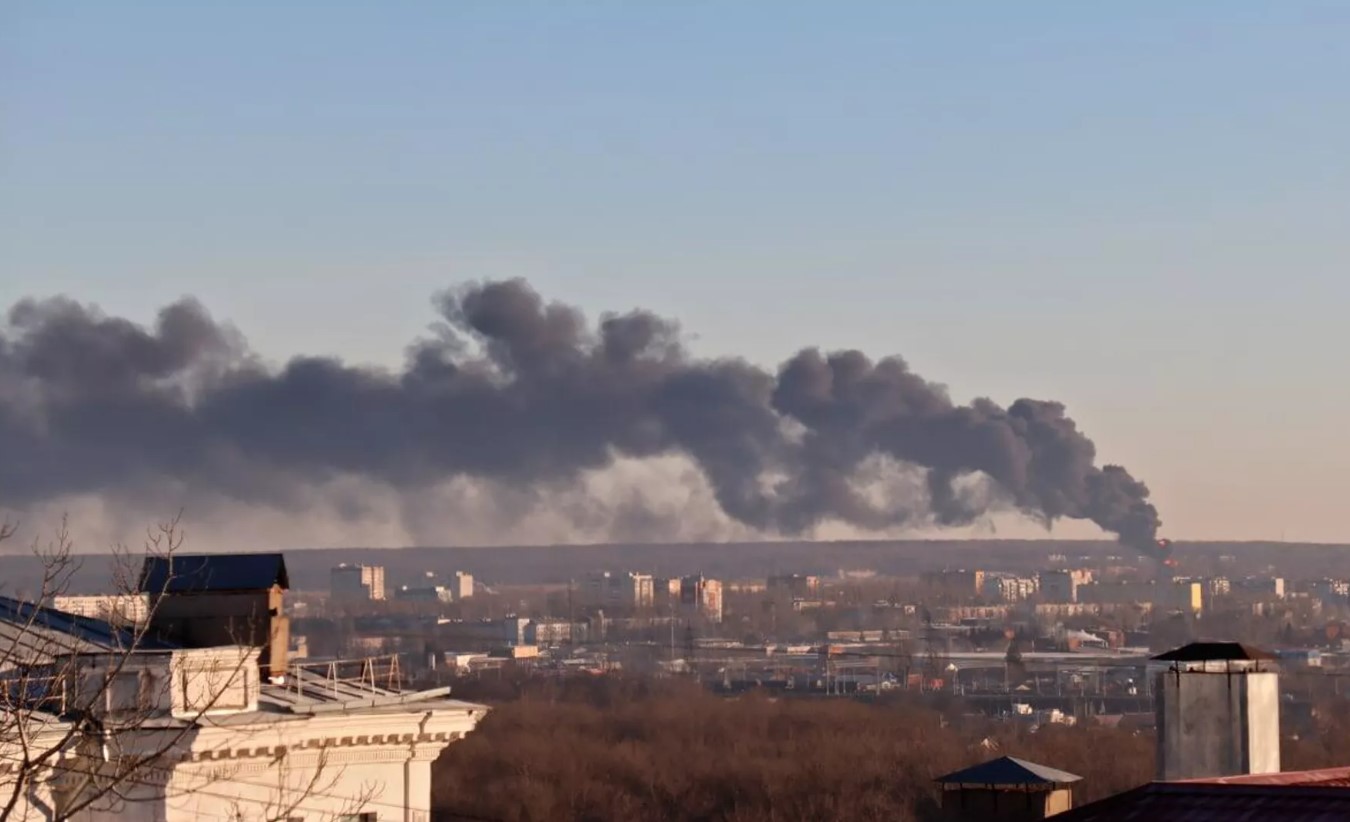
(1006,788)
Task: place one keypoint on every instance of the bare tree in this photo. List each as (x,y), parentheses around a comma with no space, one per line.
(93,716)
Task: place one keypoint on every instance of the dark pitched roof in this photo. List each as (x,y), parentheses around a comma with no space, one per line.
(1339,777)
(1214,652)
(30,626)
(1007,770)
(199,573)
(1217,802)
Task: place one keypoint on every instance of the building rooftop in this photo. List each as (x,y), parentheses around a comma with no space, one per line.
(1217,801)
(31,633)
(213,573)
(1328,777)
(1008,771)
(1214,652)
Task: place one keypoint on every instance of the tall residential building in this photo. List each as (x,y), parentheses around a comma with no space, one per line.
(666,593)
(350,583)
(119,609)
(625,591)
(1008,588)
(702,596)
(1061,587)
(462,585)
(1183,595)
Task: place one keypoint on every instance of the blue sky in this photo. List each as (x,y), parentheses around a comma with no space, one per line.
(1136,208)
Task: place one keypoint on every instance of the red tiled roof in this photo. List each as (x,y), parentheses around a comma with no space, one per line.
(1210,801)
(1327,777)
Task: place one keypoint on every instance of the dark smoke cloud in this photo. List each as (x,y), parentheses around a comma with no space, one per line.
(521,391)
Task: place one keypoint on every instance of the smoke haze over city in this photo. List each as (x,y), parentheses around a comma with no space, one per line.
(520,416)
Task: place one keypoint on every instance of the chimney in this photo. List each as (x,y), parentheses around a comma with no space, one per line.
(213,600)
(1218,712)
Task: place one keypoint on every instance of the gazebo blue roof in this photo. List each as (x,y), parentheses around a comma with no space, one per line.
(1008,771)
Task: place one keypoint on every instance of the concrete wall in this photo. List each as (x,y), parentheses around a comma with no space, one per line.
(1215,723)
(294,767)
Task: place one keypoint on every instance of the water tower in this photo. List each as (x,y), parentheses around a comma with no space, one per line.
(1218,709)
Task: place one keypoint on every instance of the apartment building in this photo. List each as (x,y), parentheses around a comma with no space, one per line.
(1008,588)
(702,597)
(625,591)
(356,583)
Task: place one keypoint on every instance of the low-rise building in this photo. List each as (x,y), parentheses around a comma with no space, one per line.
(424,593)
(1118,593)
(1329,591)
(119,609)
(794,586)
(475,633)
(959,584)
(1217,587)
(552,632)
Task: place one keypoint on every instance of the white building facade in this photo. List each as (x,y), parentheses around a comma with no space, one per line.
(217,743)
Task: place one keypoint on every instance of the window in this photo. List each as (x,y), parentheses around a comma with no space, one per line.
(368,816)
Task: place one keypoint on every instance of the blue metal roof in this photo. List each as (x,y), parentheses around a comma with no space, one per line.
(1007,770)
(29,617)
(203,573)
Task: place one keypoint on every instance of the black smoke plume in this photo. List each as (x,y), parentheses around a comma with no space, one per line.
(522,391)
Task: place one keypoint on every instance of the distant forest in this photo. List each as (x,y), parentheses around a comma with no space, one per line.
(664,750)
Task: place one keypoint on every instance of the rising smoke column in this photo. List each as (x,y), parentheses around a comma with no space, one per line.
(522,391)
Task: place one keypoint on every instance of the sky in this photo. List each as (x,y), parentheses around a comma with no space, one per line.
(1137,209)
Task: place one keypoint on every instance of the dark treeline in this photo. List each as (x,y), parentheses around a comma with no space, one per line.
(617,748)
(612,749)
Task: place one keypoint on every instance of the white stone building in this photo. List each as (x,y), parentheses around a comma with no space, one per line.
(143,729)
